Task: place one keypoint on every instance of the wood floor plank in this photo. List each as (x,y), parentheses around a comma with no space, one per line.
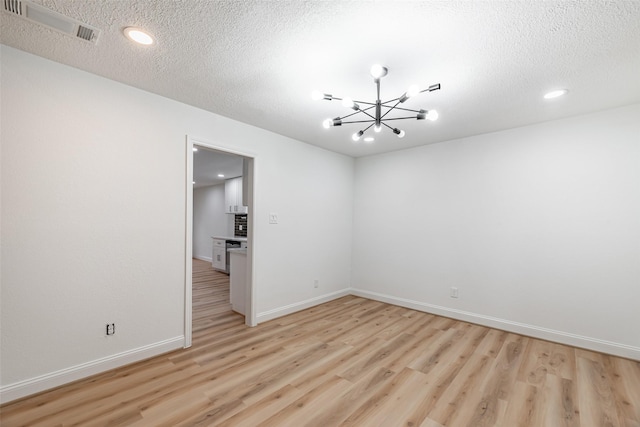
(357,394)
(371,410)
(311,404)
(265,408)
(559,406)
(594,385)
(431,423)
(627,398)
(459,397)
(406,405)
(524,406)
(444,375)
(348,362)
(493,343)
(499,384)
(376,358)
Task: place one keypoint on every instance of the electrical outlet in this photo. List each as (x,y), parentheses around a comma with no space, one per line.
(111,328)
(316,283)
(454,292)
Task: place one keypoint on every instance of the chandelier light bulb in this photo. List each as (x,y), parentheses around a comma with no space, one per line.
(316,95)
(348,102)
(413,91)
(378,71)
(377,128)
(356,136)
(327,123)
(433,115)
(398,132)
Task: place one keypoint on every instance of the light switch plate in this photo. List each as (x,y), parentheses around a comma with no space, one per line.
(454,292)
(273,218)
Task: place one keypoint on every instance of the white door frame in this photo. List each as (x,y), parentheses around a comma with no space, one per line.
(250,312)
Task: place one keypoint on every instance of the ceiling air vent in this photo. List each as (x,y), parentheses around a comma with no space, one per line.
(13,6)
(54,20)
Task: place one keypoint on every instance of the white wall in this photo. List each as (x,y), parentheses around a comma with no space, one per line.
(93,231)
(538,227)
(209,219)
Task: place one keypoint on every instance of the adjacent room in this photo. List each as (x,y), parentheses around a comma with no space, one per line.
(322,213)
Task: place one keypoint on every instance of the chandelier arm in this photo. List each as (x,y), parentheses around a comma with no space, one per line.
(356,112)
(364,102)
(358,121)
(431,88)
(349,115)
(364,112)
(403,109)
(389,110)
(335,98)
(400,118)
(381,121)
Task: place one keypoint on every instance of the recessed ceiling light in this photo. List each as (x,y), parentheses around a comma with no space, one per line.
(138,35)
(555,93)
(220,175)
(368,139)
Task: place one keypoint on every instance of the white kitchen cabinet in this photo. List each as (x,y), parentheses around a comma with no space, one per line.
(233,196)
(219,255)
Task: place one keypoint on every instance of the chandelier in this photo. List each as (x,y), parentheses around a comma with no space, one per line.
(377,118)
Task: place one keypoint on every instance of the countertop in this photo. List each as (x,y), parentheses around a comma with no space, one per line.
(235,239)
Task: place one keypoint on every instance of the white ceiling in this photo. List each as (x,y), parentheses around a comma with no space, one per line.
(207,164)
(257,61)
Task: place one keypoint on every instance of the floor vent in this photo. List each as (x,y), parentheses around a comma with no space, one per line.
(54,20)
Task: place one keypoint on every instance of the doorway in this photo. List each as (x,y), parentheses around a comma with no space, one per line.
(196,247)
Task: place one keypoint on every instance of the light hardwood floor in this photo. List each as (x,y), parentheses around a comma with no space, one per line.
(349,362)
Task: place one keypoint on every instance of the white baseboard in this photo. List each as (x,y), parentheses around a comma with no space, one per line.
(302,305)
(44,382)
(203,258)
(64,376)
(561,337)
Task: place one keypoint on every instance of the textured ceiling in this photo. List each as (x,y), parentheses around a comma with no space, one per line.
(258,61)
